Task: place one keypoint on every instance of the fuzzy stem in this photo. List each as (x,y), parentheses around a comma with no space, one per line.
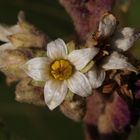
(86,14)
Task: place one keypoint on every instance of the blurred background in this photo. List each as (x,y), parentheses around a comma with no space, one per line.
(28,122)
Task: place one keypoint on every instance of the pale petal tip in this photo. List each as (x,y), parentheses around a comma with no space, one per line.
(56,49)
(52,105)
(21,16)
(107,25)
(54,93)
(62,42)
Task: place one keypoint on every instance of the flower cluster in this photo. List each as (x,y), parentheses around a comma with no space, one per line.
(59,71)
(63,70)
(17,46)
(113,41)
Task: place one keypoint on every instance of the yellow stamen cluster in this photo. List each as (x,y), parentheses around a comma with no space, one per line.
(61,69)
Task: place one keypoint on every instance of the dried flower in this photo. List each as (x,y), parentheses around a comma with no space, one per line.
(111,113)
(112,41)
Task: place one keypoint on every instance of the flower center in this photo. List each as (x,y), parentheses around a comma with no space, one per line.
(61,69)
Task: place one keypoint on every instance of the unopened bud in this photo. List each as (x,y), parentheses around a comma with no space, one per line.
(10,62)
(74,109)
(28,93)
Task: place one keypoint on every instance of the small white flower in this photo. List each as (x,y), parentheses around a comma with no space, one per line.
(61,71)
(120,40)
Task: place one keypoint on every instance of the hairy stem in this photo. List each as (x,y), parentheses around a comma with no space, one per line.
(86,14)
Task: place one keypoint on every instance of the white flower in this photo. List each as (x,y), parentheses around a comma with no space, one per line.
(120,40)
(61,71)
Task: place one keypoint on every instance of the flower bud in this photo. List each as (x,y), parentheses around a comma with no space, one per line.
(10,62)
(74,108)
(28,93)
(29,36)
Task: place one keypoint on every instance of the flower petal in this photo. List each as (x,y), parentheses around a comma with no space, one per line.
(80,58)
(37,68)
(124,38)
(79,84)
(96,77)
(54,93)
(6,46)
(57,49)
(107,25)
(6,31)
(117,61)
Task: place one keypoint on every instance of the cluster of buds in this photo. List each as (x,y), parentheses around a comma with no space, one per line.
(19,43)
